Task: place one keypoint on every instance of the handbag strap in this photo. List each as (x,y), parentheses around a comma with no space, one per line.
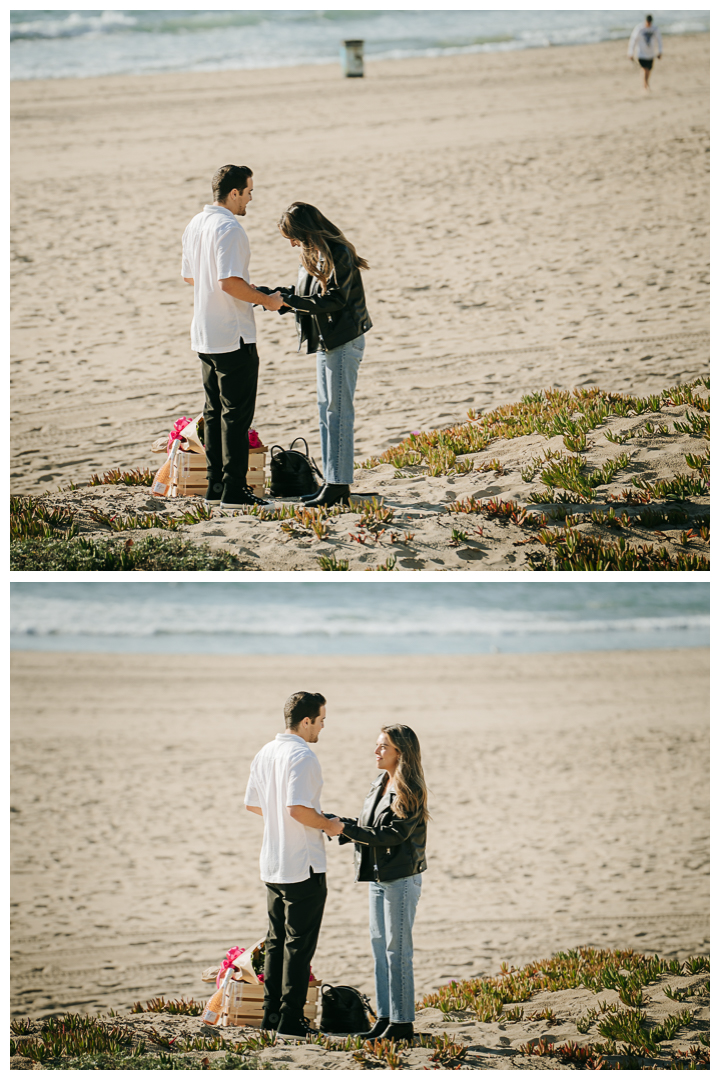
(300,439)
(306,455)
(358,993)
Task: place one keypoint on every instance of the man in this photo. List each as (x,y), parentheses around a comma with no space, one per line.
(646,38)
(284,788)
(216,260)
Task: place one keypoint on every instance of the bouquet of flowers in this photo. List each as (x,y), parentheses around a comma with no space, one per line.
(176,433)
(250,961)
(247,960)
(191,436)
(258,961)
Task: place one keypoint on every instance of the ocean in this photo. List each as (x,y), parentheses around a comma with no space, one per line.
(48,44)
(383,618)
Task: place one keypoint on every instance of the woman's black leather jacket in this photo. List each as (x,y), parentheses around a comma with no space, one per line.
(393,847)
(336,316)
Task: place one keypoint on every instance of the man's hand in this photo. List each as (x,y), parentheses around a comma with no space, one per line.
(239,288)
(310,818)
(334,826)
(273,302)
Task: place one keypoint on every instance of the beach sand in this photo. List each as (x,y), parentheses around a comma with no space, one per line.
(530,1036)
(446,523)
(532,219)
(569,801)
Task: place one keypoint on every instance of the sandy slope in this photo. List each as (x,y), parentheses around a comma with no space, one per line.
(569,806)
(489,1045)
(531,220)
(419,536)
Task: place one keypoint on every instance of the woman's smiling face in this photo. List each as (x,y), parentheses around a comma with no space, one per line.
(386,755)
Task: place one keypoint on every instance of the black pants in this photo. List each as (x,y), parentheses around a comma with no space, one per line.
(230,381)
(295,912)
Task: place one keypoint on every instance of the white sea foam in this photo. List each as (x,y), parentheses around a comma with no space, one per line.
(521,616)
(62,44)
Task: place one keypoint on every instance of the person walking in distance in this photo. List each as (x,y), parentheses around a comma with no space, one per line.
(284,788)
(646,38)
(216,261)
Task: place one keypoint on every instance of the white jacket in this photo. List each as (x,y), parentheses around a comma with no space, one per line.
(645,37)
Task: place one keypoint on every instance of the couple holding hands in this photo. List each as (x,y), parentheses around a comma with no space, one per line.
(331,319)
(284,788)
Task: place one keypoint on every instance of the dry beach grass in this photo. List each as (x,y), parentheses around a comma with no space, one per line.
(531,219)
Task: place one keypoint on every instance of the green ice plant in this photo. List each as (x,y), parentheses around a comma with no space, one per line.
(330,562)
(551,412)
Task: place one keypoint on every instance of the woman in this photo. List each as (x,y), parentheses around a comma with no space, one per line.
(390,837)
(331,316)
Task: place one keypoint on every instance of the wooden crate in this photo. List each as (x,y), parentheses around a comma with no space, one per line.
(250,1011)
(190,473)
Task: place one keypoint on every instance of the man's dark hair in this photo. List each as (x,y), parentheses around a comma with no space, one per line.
(229,177)
(648,18)
(300,705)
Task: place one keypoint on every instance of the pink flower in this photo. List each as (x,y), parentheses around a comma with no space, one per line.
(253,438)
(178,427)
(228,962)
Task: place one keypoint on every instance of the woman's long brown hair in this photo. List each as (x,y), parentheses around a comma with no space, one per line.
(313,231)
(409,779)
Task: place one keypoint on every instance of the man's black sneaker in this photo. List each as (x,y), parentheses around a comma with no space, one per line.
(235,496)
(214,493)
(297,1027)
(270,1020)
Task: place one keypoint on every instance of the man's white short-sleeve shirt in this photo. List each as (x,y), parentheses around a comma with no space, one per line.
(286,773)
(215,246)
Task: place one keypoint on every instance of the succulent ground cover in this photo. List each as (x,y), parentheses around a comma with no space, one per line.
(152,553)
(619,1031)
(562,480)
(585,1008)
(599,525)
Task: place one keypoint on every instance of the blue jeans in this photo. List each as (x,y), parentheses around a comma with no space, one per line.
(337,372)
(392,914)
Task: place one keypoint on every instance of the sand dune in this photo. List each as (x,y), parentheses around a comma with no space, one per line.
(426,528)
(569,806)
(549,1021)
(531,220)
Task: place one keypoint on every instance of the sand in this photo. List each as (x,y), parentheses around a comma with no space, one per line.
(531,219)
(569,800)
(423,521)
(504,1044)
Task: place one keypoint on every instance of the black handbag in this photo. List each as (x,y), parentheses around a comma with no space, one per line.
(292,472)
(345,1011)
